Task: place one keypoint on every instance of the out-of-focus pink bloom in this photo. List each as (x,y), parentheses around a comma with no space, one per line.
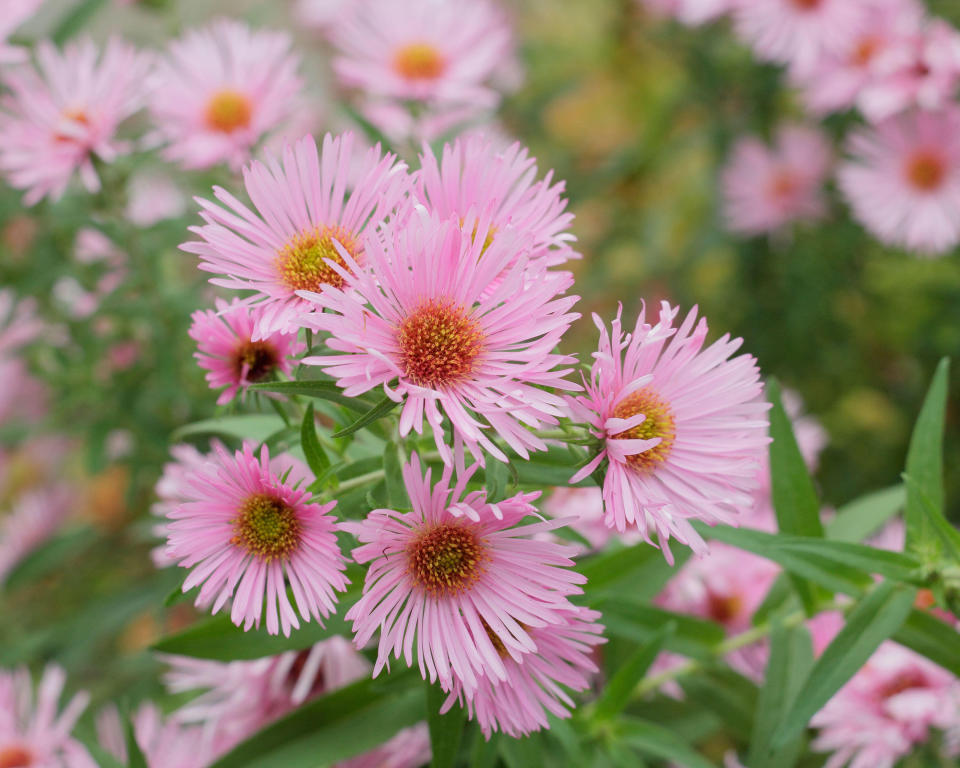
(15,13)
(683,427)
(430,320)
(766,188)
(123,355)
(220,89)
(165,743)
(301,208)
(396,121)
(33,519)
(889,706)
(33,734)
(91,246)
(320,14)
(19,324)
(243,533)
(227,351)
(458,580)
(903,180)
(518,704)
(410,748)
(153,197)
(691,12)
(22,397)
(582,508)
(77,301)
(56,119)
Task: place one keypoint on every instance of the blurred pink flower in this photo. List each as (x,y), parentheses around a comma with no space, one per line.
(301,207)
(153,197)
(56,119)
(220,89)
(165,743)
(19,324)
(682,428)
(903,180)
(15,13)
(243,533)
(691,12)
(766,188)
(320,14)
(227,351)
(410,748)
(22,397)
(582,508)
(33,518)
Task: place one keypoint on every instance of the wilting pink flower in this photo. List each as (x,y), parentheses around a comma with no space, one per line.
(153,197)
(421,314)
(474,177)
(56,119)
(19,323)
(165,743)
(302,208)
(15,13)
(903,180)
(682,428)
(889,706)
(220,89)
(33,734)
(33,518)
(227,351)
(458,580)
(244,533)
(766,188)
(691,11)
(519,703)
(410,748)
(798,32)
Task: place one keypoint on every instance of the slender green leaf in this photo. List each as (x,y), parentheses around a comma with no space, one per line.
(255,427)
(925,465)
(378,411)
(555,466)
(727,694)
(639,569)
(657,741)
(861,517)
(932,637)
(940,530)
(446,731)
(522,753)
(691,636)
(51,556)
(75,20)
(484,751)
(495,479)
(135,757)
(393,477)
(322,390)
(616,694)
(873,619)
(316,457)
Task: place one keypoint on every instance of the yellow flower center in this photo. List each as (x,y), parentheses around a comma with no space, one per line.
(228,111)
(419,61)
(302,262)
(439,343)
(658,423)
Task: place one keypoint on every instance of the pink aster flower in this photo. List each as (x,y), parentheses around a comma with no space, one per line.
(19,324)
(889,706)
(410,748)
(15,13)
(474,176)
(693,12)
(458,579)
(33,518)
(903,180)
(798,32)
(421,315)
(227,351)
(244,534)
(301,208)
(33,734)
(220,89)
(682,427)
(165,743)
(320,15)
(766,188)
(519,704)
(56,119)
(22,397)
(153,197)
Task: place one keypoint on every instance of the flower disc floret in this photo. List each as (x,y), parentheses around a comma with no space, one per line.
(303,262)
(447,559)
(439,343)
(267,528)
(657,424)
(228,111)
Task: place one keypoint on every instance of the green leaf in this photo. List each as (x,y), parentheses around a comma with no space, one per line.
(495,478)
(484,751)
(931,637)
(653,739)
(522,753)
(446,730)
(101,757)
(791,658)
(861,517)
(135,758)
(50,556)
(393,477)
(554,466)
(639,569)
(873,619)
(335,727)
(946,537)
(616,694)
(75,20)
(692,636)
(322,390)
(255,427)
(378,411)
(730,696)
(316,457)
(925,465)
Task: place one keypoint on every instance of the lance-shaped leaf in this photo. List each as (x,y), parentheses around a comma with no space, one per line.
(446,731)
(322,390)
(378,411)
(616,693)
(658,741)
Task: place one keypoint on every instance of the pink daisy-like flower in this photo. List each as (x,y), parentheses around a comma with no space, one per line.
(227,351)
(457,580)
(903,180)
(474,176)
(683,428)
(518,704)
(244,534)
(34,734)
(56,119)
(766,188)
(302,208)
(693,12)
(889,706)
(410,748)
(798,32)
(220,89)
(33,518)
(154,197)
(424,313)
(165,743)
(15,13)
(19,324)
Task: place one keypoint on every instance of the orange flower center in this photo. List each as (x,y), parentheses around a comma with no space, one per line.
(259,358)
(807,5)
(228,111)
(302,262)
(723,608)
(784,185)
(865,50)
(266,527)
(904,681)
(77,115)
(15,757)
(439,344)
(446,559)
(658,423)
(926,170)
(419,61)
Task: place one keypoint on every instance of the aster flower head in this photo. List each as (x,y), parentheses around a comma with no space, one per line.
(57,117)
(890,706)
(220,89)
(301,207)
(15,13)
(33,732)
(534,685)
(33,518)
(903,180)
(245,533)
(458,579)
(227,351)
(422,321)
(682,427)
(766,188)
